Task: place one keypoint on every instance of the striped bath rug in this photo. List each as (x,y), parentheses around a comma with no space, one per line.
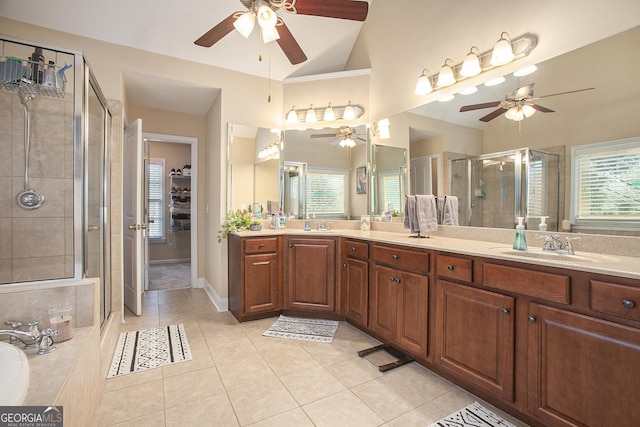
(150,348)
(474,415)
(316,330)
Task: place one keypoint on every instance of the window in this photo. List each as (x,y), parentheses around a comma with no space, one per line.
(605,191)
(327,192)
(155,199)
(536,187)
(390,189)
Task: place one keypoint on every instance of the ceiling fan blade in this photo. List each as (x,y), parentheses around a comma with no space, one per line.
(564,93)
(323,135)
(493,115)
(341,9)
(542,109)
(214,35)
(523,91)
(289,45)
(479,106)
(361,139)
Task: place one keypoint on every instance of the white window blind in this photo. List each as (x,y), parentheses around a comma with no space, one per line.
(606,187)
(155,198)
(536,186)
(390,191)
(327,191)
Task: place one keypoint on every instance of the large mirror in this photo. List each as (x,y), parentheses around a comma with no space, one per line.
(388,181)
(254,166)
(320,173)
(607,113)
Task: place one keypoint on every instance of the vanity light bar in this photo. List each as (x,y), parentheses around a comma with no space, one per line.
(521,47)
(328,113)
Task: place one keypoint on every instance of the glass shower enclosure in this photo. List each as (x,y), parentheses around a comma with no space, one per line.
(494,189)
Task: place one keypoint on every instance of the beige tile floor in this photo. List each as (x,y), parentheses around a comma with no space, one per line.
(239,378)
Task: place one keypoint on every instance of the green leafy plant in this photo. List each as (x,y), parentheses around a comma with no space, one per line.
(236,221)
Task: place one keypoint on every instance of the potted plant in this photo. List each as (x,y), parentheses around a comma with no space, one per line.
(255,225)
(236,221)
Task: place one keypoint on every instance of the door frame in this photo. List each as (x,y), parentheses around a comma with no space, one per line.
(193,142)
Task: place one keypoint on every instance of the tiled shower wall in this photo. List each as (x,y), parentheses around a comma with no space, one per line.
(36,244)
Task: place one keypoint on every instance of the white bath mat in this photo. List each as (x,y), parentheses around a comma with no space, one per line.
(474,415)
(149,348)
(316,330)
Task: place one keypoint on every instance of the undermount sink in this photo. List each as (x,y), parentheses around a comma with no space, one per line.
(553,256)
(14,375)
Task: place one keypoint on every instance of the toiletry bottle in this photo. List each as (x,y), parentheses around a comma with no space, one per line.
(307,224)
(49,76)
(543,225)
(520,242)
(37,65)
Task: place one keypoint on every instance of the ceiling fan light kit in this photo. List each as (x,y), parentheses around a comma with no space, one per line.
(475,63)
(273,28)
(330,113)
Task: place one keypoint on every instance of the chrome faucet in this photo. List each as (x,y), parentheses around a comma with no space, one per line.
(322,226)
(32,337)
(553,243)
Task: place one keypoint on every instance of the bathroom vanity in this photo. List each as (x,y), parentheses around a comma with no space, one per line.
(552,340)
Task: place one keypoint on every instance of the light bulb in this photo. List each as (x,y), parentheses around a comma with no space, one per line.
(266,17)
(329,115)
(311,115)
(245,23)
(471,64)
(503,51)
(424,86)
(292,115)
(446,77)
(349,112)
(528,110)
(269,34)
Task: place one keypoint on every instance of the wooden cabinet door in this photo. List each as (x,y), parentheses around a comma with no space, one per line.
(413,303)
(311,277)
(356,283)
(582,371)
(476,336)
(383,306)
(261,283)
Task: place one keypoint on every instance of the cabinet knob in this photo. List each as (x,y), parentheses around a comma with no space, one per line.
(395,257)
(261,245)
(344,265)
(290,245)
(450,267)
(391,279)
(353,249)
(532,319)
(627,303)
(397,280)
(505,311)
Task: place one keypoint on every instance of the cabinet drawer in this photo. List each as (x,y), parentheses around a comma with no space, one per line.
(356,249)
(618,300)
(537,284)
(263,245)
(401,258)
(454,268)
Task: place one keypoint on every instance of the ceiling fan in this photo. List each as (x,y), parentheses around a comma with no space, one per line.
(273,27)
(517,104)
(346,137)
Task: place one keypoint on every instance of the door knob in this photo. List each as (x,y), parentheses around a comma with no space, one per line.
(132,227)
(142,226)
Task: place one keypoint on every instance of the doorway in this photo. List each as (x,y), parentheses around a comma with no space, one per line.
(171,203)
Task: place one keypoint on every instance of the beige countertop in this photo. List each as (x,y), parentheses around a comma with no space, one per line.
(615,265)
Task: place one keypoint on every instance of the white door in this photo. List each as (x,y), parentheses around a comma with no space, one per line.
(134,227)
(421,176)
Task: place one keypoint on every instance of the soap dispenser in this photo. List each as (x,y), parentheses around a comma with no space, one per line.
(520,242)
(543,225)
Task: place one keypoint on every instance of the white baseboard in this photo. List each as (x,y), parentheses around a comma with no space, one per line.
(222,304)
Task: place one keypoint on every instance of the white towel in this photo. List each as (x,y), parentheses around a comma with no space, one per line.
(426,212)
(450,211)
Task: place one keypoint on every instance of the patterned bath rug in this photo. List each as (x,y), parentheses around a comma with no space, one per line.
(150,348)
(474,415)
(316,330)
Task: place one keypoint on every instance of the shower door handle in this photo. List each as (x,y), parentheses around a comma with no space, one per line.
(93,228)
(132,227)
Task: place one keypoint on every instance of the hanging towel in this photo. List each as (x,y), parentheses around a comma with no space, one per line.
(410,219)
(426,212)
(450,211)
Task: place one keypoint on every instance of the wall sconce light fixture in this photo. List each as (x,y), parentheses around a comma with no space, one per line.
(505,51)
(330,113)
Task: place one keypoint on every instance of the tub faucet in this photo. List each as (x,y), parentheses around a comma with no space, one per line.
(32,337)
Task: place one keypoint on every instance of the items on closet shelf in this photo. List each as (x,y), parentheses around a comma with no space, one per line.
(447,210)
(420,213)
(180,205)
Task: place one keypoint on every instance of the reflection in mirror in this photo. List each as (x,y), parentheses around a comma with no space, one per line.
(319,173)
(608,113)
(388,181)
(253,166)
